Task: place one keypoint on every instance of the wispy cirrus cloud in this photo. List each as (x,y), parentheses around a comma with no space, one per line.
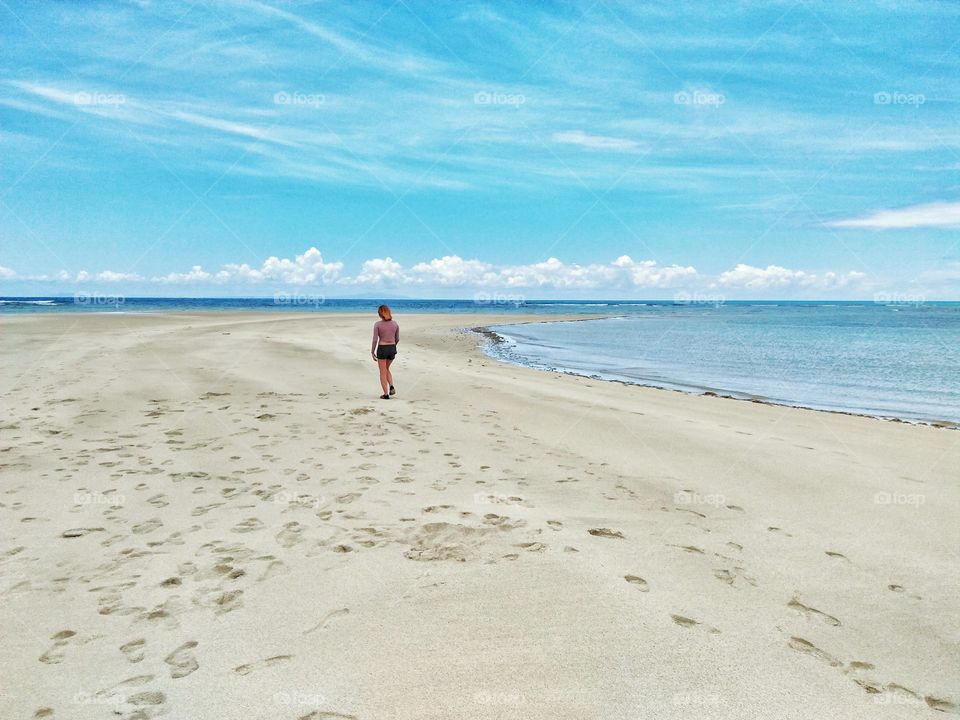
(926,215)
(595,142)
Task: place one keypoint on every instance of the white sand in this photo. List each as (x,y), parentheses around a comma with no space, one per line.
(251,533)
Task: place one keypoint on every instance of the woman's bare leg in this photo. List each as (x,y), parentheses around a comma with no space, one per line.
(384,375)
(389,374)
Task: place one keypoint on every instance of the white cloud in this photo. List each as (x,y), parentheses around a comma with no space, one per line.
(452,270)
(196,274)
(306,269)
(647,273)
(594,142)
(935,214)
(379,271)
(455,271)
(6,273)
(775,276)
(624,272)
(111,276)
(622,275)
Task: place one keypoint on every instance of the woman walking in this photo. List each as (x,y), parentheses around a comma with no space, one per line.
(386,335)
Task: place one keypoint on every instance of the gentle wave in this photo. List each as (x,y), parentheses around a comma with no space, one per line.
(29,302)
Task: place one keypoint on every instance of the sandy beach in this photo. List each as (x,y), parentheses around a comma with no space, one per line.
(213,516)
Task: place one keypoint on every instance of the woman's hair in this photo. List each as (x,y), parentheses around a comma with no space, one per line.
(384,312)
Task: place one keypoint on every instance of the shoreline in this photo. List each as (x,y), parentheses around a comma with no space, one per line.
(491,336)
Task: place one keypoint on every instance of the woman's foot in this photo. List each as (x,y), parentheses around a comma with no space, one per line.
(393,390)
(384,397)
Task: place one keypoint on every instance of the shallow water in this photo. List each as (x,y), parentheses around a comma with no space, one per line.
(900,361)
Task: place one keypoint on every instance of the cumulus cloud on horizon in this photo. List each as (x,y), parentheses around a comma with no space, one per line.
(452,271)
(773,276)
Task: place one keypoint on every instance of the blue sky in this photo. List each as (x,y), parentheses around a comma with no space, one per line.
(595,149)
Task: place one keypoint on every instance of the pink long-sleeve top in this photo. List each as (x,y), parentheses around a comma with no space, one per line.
(385,332)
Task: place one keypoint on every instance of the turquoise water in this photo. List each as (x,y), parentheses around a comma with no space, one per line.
(897,361)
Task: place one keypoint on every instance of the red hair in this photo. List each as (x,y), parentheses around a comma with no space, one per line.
(384,312)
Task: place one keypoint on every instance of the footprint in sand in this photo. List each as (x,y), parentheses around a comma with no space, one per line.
(291,534)
(134,650)
(532,546)
(146,698)
(220,602)
(267,662)
(322,625)
(813,612)
(147,526)
(54,656)
(606,533)
(249,525)
(689,549)
(730,576)
(637,581)
(204,509)
(808,648)
(181,661)
(80,532)
(686,622)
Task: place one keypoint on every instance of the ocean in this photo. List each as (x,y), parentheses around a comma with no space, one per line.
(894,360)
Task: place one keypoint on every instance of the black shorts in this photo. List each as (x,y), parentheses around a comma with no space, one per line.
(386,352)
